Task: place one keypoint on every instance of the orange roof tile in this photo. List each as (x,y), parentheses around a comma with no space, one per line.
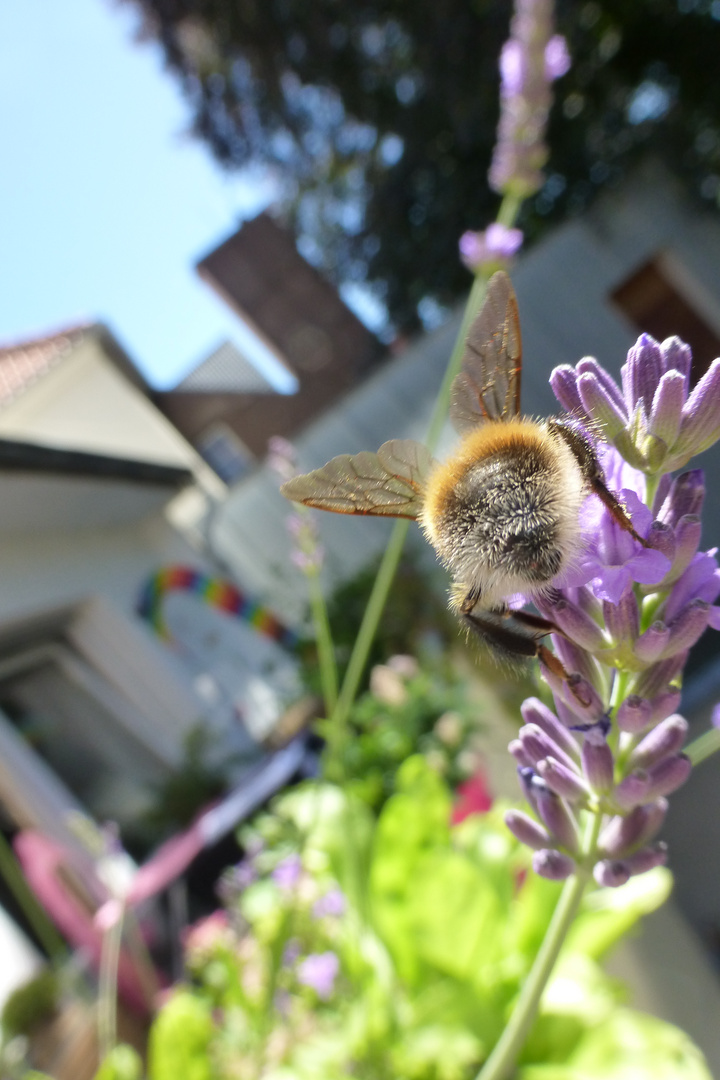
(24,363)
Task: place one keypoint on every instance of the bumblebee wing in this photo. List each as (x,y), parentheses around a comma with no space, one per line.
(387,484)
(488,386)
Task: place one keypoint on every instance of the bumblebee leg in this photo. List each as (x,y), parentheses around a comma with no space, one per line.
(586,458)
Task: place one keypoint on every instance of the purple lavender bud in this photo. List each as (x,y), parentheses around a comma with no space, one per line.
(332,905)
(685,497)
(528,783)
(634,714)
(563,382)
(496,245)
(597,760)
(584,699)
(667,776)
(657,678)
(589,366)
(577,625)
(623,834)
(641,374)
(622,619)
(611,873)
(287,872)
(598,404)
(632,791)
(647,859)
(556,817)
(689,625)
(651,645)
(537,745)
(526,830)
(563,781)
(661,538)
(535,712)
(687,541)
(664,705)
(676,355)
(701,581)
(557,58)
(319,971)
(664,740)
(701,416)
(518,752)
(552,864)
(666,412)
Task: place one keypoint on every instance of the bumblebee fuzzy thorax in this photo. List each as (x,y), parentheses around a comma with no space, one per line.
(502,512)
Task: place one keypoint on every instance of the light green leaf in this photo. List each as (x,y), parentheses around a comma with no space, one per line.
(122,1063)
(179,1045)
(608,914)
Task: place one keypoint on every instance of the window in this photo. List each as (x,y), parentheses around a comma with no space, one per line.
(662,299)
(225,452)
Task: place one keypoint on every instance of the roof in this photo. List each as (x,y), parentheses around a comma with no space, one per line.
(25,362)
(225,371)
(33,457)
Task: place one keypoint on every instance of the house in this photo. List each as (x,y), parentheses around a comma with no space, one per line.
(102,500)
(223,408)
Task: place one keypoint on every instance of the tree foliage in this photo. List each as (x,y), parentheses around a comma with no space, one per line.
(378,117)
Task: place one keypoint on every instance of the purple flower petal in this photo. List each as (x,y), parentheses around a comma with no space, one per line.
(319,971)
(557,58)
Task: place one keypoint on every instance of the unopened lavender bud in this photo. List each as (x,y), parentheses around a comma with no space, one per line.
(641,374)
(634,714)
(528,783)
(664,704)
(552,864)
(584,698)
(662,538)
(666,411)
(622,620)
(563,380)
(535,712)
(667,776)
(647,859)
(658,677)
(518,752)
(577,625)
(556,817)
(598,763)
(537,745)
(611,873)
(651,645)
(687,541)
(676,355)
(685,630)
(526,830)
(685,497)
(598,404)
(563,781)
(701,417)
(623,834)
(663,741)
(589,366)
(632,791)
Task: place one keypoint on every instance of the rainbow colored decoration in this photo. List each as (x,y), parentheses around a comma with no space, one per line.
(214,591)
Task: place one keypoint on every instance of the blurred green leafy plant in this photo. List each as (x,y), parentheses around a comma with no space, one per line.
(400,960)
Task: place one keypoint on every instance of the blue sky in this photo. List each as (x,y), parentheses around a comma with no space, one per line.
(105,203)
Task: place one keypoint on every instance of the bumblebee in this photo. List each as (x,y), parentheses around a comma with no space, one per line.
(503,511)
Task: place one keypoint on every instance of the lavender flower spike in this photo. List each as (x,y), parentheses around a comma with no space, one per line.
(653,420)
(530,60)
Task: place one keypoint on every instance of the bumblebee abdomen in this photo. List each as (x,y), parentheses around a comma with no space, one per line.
(502,512)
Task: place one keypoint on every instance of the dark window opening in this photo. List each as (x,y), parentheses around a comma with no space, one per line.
(654,303)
